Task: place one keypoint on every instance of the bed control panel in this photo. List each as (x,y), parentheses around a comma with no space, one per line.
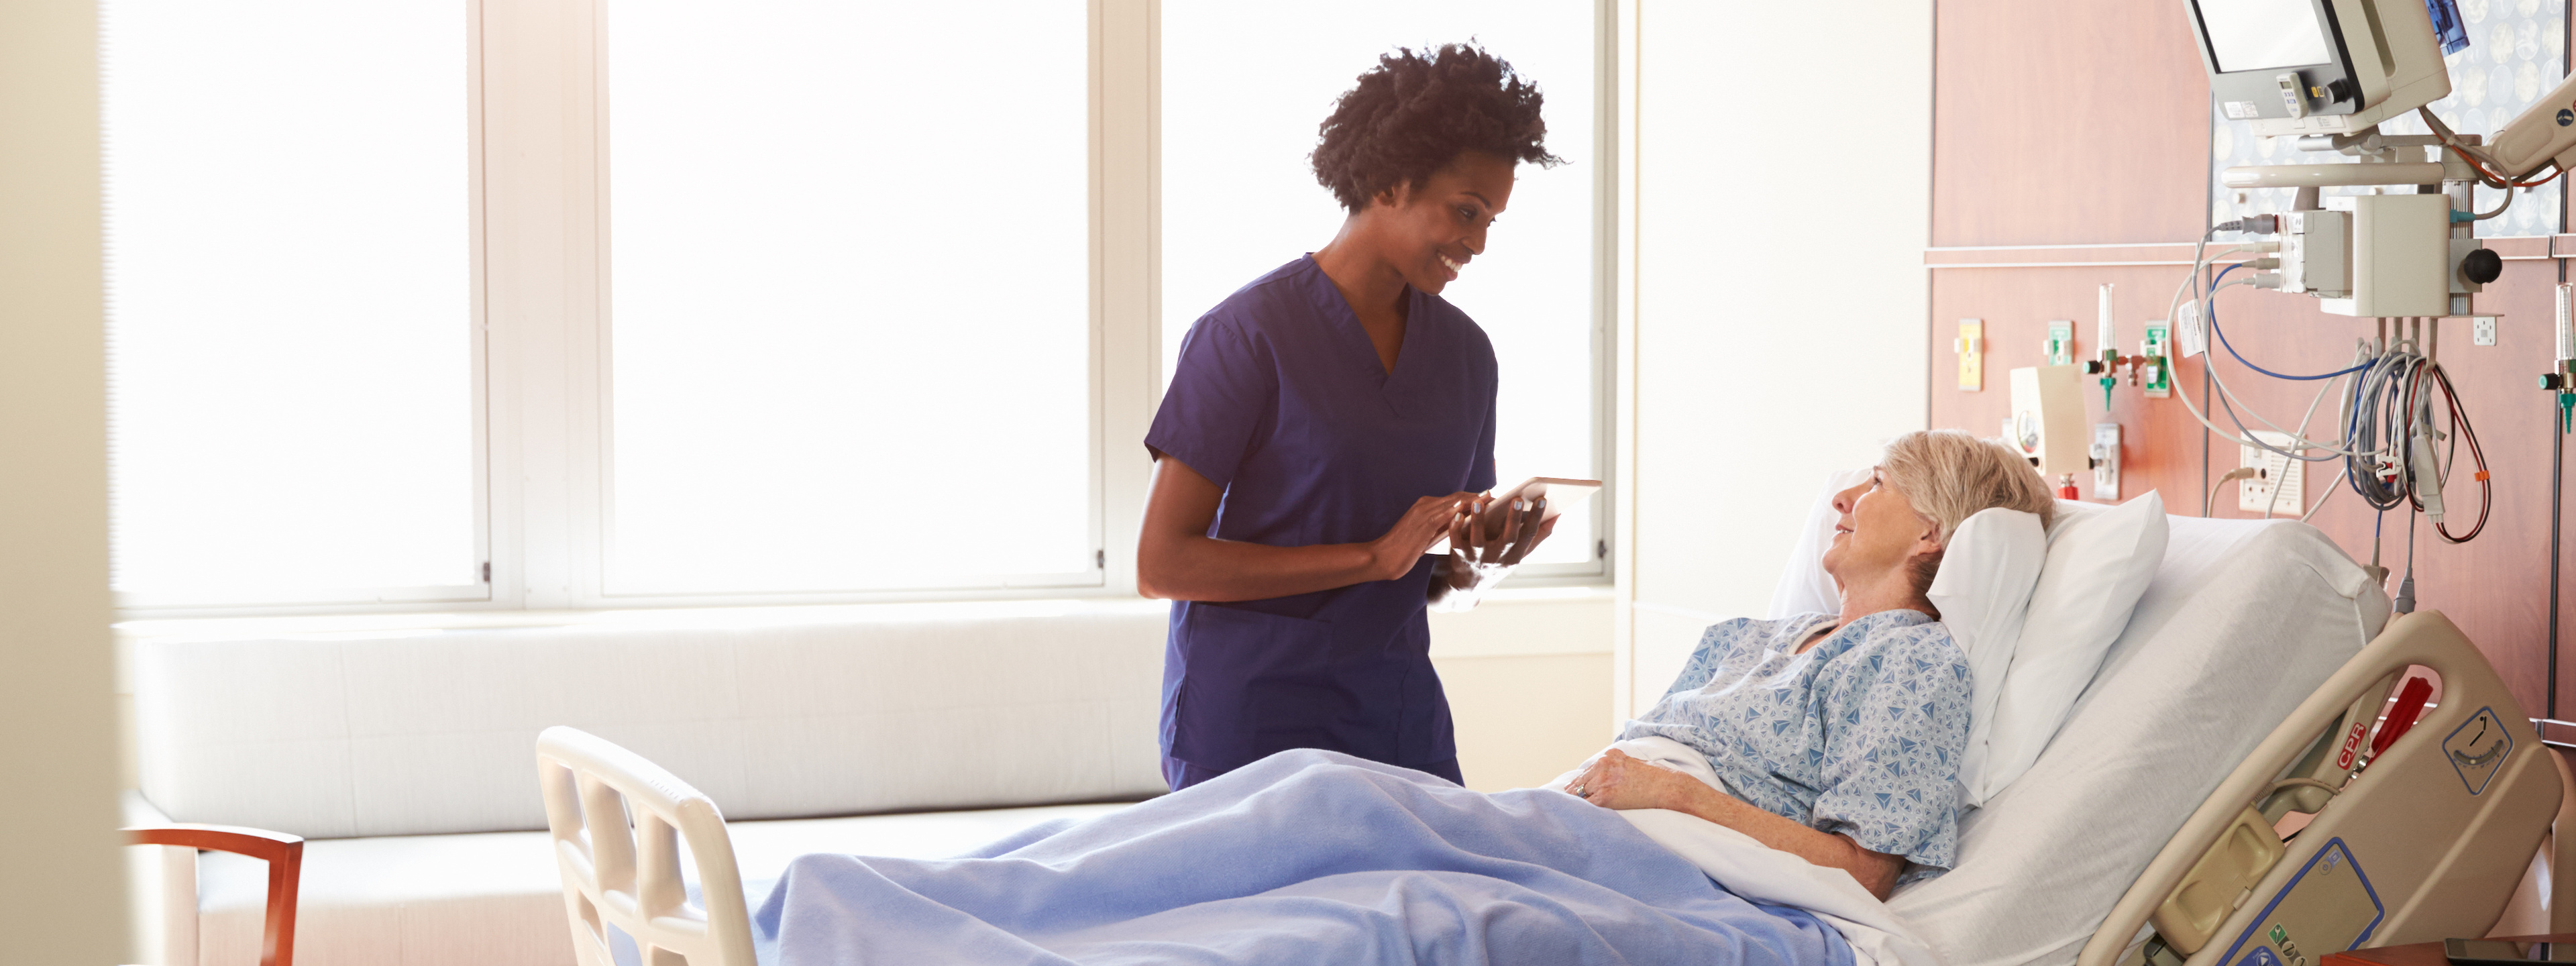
(2221,881)
(2328,907)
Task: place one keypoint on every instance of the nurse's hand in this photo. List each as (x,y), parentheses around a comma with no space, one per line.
(1520,529)
(1401,549)
(1482,553)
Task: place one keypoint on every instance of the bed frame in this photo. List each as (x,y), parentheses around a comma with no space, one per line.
(2427,842)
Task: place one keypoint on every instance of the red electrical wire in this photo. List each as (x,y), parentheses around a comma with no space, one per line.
(2501,182)
(2461,429)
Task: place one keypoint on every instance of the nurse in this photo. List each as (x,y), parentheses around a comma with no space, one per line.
(1325,425)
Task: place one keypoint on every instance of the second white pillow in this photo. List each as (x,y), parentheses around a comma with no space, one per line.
(2099,561)
(1983,591)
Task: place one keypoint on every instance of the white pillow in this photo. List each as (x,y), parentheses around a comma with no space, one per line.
(1805,588)
(1983,591)
(2099,561)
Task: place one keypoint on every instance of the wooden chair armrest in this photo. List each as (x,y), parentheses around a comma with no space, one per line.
(285,857)
(256,843)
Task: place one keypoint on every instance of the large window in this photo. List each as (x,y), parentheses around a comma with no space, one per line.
(459,304)
(1239,198)
(849,296)
(291,326)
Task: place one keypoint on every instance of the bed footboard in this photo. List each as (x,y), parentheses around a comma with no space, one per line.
(2428,842)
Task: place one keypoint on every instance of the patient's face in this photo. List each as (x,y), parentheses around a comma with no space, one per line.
(1877,531)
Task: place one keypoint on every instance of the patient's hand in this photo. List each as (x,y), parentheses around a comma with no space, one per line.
(1618,780)
(1621,781)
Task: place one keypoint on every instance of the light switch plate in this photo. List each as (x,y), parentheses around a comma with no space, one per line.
(1971,347)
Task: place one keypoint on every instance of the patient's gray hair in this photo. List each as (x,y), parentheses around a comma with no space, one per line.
(1949,475)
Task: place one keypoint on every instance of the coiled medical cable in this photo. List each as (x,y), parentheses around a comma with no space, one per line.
(2461,429)
(2386,403)
(2212,318)
(2299,441)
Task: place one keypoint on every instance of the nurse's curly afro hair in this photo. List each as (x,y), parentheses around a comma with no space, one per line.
(1414,113)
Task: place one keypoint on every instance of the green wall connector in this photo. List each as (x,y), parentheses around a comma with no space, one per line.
(2156,375)
(2061,343)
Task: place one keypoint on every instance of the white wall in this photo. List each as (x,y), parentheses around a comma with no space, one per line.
(1774,208)
(61,894)
(1528,678)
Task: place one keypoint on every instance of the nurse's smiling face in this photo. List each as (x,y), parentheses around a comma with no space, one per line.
(1429,231)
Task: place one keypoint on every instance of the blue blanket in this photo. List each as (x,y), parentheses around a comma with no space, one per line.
(1303,857)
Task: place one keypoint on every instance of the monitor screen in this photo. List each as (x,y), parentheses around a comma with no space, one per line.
(2263,34)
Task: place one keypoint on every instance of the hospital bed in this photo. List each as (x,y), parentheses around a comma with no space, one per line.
(2141,837)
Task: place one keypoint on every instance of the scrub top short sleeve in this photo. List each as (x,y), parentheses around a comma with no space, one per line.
(1224,387)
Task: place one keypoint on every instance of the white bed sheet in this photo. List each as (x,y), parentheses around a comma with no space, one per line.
(2243,621)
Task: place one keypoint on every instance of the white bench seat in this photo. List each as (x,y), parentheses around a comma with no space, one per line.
(493,899)
(409,762)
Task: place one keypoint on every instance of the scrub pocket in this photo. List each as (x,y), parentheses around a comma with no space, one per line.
(1253,683)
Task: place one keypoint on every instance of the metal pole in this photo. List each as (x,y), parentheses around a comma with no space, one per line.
(2557,476)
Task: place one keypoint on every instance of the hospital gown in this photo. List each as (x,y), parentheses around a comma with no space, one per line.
(1859,736)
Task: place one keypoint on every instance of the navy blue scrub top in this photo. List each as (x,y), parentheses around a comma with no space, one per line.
(1280,399)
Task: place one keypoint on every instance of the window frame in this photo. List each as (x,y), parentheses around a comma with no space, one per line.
(540,333)
(412,597)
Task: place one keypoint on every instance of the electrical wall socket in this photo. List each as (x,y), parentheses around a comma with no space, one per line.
(2482,330)
(2279,472)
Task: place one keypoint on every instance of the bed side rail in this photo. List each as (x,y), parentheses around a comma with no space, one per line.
(2437,829)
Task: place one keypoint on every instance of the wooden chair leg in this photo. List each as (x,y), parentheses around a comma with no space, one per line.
(285,857)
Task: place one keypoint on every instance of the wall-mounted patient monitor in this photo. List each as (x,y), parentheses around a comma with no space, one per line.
(2320,66)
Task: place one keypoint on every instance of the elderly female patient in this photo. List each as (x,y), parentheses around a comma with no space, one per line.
(1833,737)
(1836,737)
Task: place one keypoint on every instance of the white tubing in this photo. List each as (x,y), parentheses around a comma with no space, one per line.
(2106,338)
(2566,332)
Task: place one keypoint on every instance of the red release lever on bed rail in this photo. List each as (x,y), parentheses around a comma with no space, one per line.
(2410,703)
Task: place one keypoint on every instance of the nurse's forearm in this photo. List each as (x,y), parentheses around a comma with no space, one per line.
(1177,560)
(1204,568)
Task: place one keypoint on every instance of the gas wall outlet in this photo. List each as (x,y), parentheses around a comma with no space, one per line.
(1971,347)
(2060,350)
(2279,472)
(2106,462)
(2155,369)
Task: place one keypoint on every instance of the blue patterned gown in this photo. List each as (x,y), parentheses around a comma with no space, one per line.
(1859,736)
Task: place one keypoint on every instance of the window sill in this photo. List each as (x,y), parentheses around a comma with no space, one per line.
(366,626)
(1511,622)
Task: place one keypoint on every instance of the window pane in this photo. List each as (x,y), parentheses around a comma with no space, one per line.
(289,296)
(1239,198)
(850,293)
